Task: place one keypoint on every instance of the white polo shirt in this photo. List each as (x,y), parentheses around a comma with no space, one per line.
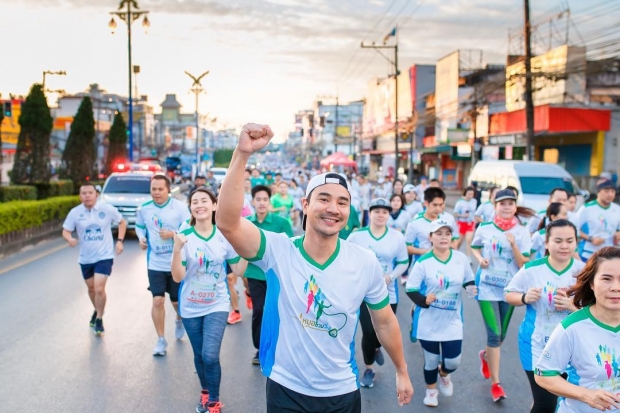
(94,230)
(311,313)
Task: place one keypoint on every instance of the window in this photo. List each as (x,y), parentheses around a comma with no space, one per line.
(544,185)
(128,185)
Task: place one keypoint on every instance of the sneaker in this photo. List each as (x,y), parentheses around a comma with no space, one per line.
(215,407)
(497,392)
(179,329)
(367,378)
(99,326)
(446,388)
(93,318)
(431,398)
(484,366)
(160,347)
(256,360)
(379,359)
(203,404)
(234,317)
(248,300)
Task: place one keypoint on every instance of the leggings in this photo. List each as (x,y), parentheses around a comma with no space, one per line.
(450,358)
(370,342)
(496,316)
(544,401)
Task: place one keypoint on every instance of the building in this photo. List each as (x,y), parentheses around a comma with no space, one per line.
(9,132)
(338,127)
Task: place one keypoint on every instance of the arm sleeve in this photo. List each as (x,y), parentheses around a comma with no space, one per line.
(410,234)
(69,223)
(269,243)
(556,355)
(518,283)
(479,211)
(418,298)
(377,295)
(231,255)
(477,242)
(140,227)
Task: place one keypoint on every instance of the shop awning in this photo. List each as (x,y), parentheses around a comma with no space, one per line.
(436,149)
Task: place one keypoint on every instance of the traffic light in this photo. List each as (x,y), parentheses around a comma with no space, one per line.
(8,109)
(404,137)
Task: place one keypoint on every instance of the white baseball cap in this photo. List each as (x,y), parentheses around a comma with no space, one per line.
(408,188)
(437,224)
(327,178)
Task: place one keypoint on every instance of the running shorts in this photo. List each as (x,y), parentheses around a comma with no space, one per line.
(465,227)
(103,267)
(161,282)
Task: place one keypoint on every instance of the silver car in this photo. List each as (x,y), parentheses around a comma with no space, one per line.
(127,192)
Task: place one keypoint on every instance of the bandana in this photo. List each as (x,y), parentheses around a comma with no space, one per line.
(505,224)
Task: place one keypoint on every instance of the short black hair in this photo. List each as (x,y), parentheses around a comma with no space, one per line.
(469,188)
(88,184)
(260,188)
(554,190)
(164,178)
(278,174)
(431,193)
(200,177)
(434,180)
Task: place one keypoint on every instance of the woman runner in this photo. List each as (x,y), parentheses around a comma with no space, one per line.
(541,285)
(198,262)
(501,248)
(586,344)
(399,218)
(435,286)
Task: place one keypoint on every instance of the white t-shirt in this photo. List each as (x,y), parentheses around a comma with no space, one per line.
(419,190)
(401,222)
(364,195)
(418,231)
(94,230)
(464,206)
(443,320)
(496,249)
(596,221)
(486,211)
(588,351)
(539,239)
(541,317)
(535,221)
(204,289)
(311,313)
(150,219)
(390,249)
(414,208)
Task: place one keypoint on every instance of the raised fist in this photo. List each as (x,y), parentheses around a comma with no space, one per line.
(254,137)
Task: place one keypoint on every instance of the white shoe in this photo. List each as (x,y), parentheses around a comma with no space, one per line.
(446,388)
(431,398)
(179,329)
(160,347)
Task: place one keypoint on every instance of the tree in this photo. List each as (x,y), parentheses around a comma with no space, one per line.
(32,157)
(80,155)
(117,143)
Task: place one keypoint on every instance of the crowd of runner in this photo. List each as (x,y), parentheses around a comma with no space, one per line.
(331,249)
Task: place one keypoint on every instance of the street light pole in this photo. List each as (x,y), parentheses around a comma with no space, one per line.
(197,90)
(129,16)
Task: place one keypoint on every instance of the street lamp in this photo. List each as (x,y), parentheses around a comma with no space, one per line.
(130,14)
(197,90)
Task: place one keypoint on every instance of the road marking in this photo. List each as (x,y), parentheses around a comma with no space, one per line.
(34,258)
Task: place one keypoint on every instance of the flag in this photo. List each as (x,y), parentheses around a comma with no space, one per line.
(390,34)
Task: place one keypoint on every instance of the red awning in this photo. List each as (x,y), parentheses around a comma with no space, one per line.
(552,119)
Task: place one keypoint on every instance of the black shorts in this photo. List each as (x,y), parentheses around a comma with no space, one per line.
(283,400)
(100,267)
(161,282)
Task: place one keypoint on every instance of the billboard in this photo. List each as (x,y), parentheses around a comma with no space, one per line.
(446,93)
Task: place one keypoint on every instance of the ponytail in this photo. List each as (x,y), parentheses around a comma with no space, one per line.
(554,208)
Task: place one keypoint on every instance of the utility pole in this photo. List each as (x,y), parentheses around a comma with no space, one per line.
(396,73)
(197,90)
(529,101)
(336,126)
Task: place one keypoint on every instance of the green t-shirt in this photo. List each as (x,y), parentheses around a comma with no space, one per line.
(352,223)
(259,180)
(277,201)
(272,223)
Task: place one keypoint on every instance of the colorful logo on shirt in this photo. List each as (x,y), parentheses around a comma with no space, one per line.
(157,221)
(607,358)
(442,280)
(602,221)
(93,233)
(317,303)
(549,291)
(101,215)
(496,246)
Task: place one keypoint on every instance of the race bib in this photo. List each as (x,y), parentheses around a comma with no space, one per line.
(445,300)
(201,292)
(163,246)
(497,274)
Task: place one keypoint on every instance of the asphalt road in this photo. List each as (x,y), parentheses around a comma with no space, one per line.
(50,360)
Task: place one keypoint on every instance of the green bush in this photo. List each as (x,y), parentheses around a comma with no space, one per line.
(18,193)
(20,215)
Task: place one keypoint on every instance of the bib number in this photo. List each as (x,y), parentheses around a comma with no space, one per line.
(445,301)
(202,292)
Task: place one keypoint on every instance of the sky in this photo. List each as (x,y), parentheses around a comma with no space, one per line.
(267,59)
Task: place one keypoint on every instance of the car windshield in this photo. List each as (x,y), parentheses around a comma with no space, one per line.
(219,172)
(128,185)
(539,185)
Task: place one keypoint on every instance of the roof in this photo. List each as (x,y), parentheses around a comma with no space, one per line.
(170,102)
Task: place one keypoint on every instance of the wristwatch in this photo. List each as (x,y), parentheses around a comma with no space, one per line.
(523,299)
(121,240)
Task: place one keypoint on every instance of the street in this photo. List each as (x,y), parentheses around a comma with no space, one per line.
(51,361)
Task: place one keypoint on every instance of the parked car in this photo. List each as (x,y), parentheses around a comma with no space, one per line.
(534,180)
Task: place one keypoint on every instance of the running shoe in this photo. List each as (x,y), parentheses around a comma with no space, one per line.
(215,407)
(367,378)
(179,329)
(99,326)
(497,392)
(431,398)
(93,318)
(234,317)
(160,347)
(379,359)
(248,300)
(256,360)
(446,388)
(484,366)
(203,404)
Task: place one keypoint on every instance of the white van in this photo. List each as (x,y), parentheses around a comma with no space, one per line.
(534,180)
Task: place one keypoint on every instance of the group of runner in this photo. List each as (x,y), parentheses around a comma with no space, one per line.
(307,293)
